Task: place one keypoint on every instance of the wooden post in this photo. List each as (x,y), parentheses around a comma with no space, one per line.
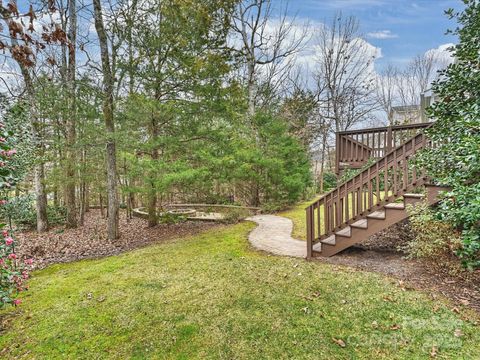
(389,139)
(337,153)
(309,232)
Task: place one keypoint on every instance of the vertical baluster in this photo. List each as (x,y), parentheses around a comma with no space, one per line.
(318,222)
(362,196)
(347,203)
(337,208)
(384,143)
(389,139)
(405,168)
(370,188)
(377,183)
(356,151)
(395,172)
(325,216)
(379,154)
(414,174)
(342,204)
(424,144)
(374,146)
(385,177)
(354,213)
(332,213)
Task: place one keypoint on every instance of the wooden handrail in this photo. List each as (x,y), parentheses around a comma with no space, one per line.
(380,183)
(355,147)
(382,128)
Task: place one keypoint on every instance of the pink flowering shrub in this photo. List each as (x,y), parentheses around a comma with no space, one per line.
(13,271)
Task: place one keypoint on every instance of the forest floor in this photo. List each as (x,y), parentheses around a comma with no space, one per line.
(60,245)
(210,296)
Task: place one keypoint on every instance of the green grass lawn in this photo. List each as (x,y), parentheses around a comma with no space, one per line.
(211,297)
(298,215)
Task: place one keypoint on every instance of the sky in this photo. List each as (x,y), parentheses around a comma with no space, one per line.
(400,28)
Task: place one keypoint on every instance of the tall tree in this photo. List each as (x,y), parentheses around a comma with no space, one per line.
(344,73)
(267,44)
(71,220)
(387,93)
(108,116)
(20,47)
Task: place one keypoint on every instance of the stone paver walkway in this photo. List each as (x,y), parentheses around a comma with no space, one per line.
(274,235)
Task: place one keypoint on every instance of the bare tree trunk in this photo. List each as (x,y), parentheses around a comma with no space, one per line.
(41,198)
(100,199)
(70,201)
(83,190)
(113,231)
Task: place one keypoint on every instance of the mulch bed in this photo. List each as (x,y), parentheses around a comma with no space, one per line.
(462,288)
(60,245)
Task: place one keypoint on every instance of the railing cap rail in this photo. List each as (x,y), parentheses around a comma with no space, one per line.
(385,128)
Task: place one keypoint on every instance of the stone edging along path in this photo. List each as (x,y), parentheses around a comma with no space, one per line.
(274,235)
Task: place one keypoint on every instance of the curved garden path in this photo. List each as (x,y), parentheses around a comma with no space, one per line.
(274,235)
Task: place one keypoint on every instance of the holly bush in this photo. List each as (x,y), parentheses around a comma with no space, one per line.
(455,158)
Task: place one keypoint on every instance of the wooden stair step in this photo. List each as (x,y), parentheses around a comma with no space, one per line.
(347,232)
(396,206)
(361,224)
(414,196)
(317,247)
(329,241)
(380,215)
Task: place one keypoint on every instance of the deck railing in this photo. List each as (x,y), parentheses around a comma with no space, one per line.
(382,182)
(355,147)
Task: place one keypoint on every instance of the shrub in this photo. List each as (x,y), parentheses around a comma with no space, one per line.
(20,210)
(455,160)
(432,238)
(170,219)
(233,216)
(329,181)
(13,272)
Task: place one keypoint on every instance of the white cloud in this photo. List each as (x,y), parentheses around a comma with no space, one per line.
(442,54)
(382,34)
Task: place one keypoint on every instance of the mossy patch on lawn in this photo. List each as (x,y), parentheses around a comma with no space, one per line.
(211,297)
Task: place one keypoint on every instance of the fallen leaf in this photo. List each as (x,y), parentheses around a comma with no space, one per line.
(433,353)
(464,302)
(395,327)
(455,310)
(339,342)
(375,324)
(458,333)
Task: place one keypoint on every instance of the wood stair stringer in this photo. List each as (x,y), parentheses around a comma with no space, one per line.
(374,222)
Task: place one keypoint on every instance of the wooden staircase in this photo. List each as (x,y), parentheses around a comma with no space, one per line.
(372,201)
